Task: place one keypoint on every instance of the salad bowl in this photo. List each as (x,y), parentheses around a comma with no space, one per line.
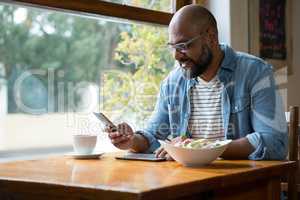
(197,153)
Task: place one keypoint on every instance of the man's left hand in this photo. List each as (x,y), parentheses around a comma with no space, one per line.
(162,153)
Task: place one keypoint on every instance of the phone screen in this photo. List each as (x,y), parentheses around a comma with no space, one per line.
(105,121)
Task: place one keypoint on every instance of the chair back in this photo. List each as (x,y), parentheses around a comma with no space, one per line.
(293,124)
(293,133)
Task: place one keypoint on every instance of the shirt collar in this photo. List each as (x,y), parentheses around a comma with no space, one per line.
(227,62)
(229,57)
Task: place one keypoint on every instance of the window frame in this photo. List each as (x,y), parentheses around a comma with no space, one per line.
(103,8)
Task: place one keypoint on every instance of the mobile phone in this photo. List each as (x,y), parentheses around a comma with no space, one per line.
(140,156)
(105,121)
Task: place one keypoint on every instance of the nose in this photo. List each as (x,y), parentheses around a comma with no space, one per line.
(179,55)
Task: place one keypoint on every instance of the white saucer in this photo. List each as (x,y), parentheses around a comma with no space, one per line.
(84,156)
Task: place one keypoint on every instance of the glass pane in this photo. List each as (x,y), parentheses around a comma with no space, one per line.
(57,68)
(159,5)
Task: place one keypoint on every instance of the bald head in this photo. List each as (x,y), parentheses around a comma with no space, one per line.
(193,36)
(193,17)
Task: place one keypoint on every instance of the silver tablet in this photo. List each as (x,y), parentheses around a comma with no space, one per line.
(140,156)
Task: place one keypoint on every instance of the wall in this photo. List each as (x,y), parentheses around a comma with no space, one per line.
(239,25)
(232,19)
(221,11)
(294,79)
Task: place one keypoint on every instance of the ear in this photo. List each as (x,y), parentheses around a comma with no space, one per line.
(212,35)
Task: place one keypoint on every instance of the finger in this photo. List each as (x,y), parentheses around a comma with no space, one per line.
(110,129)
(185,142)
(113,128)
(121,125)
(113,135)
(121,128)
(129,136)
(124,129)
(120,139)
(162,154)
(158,151)
(124,142)
(175,140)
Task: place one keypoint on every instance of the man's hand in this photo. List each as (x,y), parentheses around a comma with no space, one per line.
(122,138)
(238,149)
(161,153)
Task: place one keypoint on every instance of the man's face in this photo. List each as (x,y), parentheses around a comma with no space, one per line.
(195,55)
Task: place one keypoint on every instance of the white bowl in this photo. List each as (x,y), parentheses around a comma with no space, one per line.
(195,157)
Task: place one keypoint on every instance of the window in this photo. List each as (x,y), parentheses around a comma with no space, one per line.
(56,68)
(161,5)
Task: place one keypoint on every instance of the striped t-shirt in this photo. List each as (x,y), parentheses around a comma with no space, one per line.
(206,119)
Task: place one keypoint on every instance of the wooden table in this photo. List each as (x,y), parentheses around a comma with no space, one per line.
(108,178)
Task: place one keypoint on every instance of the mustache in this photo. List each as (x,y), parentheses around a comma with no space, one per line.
(183,62)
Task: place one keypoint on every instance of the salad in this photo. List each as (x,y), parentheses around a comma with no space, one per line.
(198,143)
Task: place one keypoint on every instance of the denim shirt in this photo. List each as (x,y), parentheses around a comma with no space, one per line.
(251,106)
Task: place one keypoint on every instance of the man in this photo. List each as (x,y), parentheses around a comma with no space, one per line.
(215,93)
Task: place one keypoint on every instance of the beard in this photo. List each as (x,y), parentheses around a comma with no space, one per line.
(200,66)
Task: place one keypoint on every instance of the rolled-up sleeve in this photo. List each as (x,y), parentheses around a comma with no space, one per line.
(270,138)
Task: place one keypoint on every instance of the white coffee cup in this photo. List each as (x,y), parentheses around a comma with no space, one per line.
(84,144)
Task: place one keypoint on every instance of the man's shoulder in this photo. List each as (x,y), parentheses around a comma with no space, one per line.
(243,62)
(250,62)
(251,68)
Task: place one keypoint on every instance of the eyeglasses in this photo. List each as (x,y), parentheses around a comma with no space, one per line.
(183,47)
